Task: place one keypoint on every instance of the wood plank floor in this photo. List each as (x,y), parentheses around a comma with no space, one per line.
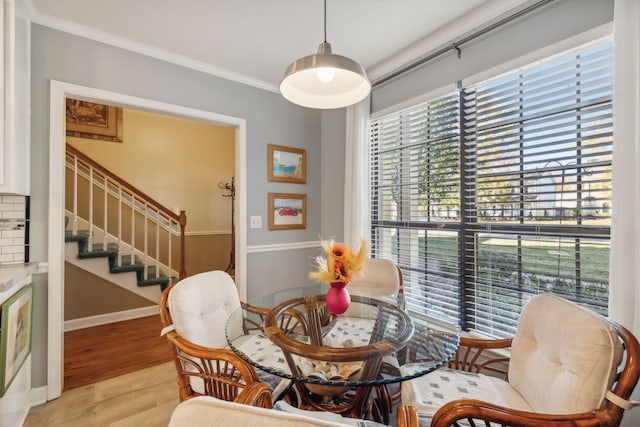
(117,375)
(143,398)
(107,351)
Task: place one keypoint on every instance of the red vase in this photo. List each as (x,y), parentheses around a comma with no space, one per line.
(338,298)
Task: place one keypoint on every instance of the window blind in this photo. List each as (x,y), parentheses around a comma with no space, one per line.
(537,147)
(415,196)
(499,192)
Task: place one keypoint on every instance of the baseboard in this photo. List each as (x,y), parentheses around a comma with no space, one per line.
(103,319)
(38,396)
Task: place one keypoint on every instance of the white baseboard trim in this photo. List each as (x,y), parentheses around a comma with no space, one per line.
(38,396)
(103,319)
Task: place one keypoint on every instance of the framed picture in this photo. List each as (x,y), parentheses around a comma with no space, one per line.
(287,211)
(15,335)
(287,164)
(94,121)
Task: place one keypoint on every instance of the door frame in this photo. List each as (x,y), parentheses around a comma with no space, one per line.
(57,113)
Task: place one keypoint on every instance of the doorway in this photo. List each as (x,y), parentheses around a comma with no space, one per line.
(60,91)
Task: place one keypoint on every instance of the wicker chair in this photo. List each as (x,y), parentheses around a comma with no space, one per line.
(568,367)
(193,314)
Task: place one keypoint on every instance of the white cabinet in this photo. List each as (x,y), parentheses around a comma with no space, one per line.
(15,96)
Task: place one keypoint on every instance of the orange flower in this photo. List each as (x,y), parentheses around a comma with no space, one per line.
(339,251)
(340,264)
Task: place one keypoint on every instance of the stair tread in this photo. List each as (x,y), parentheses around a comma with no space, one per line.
(153,281)
(98,251)
(126,264)
(81,235)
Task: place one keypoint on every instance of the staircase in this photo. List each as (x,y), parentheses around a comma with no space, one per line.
(151,278)
(118,233)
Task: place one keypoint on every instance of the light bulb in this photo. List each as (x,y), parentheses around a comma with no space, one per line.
(325,74)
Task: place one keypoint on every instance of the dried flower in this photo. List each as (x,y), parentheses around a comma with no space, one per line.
(340,263)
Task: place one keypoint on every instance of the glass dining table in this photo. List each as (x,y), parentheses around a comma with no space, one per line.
(339,363)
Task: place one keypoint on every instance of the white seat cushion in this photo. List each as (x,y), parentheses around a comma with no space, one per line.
(563,357)
(205,411)
(200,306)
(379,279)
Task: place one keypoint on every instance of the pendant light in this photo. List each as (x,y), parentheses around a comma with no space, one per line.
(325,80)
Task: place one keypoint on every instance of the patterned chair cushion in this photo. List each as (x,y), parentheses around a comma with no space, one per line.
(429,392)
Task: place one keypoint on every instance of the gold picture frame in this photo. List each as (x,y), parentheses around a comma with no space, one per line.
(287,164)
(93,121)
(287,211)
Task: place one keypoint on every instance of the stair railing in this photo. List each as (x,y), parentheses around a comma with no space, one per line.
(154,247)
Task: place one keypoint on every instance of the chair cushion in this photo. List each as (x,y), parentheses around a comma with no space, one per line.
(262,350)
(379,279)
(429,392)
(563,357)
(206,411)
(327,416)
(200,306)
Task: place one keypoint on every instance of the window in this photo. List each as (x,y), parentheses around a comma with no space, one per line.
(500,191)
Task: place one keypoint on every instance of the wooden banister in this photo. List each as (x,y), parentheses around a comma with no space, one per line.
(137,196)
(140,195)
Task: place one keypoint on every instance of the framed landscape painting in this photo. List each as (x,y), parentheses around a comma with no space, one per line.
(287,211)
(15,335)
(287,164)
(93,121)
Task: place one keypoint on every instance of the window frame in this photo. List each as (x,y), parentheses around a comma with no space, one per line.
(467,228)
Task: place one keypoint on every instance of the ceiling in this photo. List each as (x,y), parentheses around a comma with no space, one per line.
(253,41)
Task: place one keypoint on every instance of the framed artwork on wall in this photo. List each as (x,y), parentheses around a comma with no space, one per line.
(287,211)
(287,164)
(93,121)
(15,335)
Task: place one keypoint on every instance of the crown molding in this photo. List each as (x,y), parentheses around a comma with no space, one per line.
(482,16)
(144,49)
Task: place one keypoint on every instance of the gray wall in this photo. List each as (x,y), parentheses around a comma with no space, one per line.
(543,27)
(270,120)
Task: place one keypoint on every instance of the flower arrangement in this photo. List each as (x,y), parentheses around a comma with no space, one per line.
(341,262)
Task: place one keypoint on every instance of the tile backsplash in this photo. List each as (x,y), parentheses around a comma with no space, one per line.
(14,212)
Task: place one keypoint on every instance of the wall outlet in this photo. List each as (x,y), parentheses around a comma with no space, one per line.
(255,222)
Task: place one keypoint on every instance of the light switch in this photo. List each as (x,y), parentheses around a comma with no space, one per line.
(255,221)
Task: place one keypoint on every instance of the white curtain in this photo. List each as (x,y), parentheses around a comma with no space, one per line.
(625,223)
(624,300)
(356,174)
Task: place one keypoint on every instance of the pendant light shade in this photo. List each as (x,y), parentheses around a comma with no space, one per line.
(325,80)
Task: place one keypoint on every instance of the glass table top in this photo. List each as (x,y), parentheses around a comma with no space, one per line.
(291,334)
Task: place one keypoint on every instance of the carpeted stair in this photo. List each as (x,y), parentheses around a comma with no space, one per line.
(111,253)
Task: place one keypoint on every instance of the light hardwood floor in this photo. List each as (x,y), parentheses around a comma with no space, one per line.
(143,398)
